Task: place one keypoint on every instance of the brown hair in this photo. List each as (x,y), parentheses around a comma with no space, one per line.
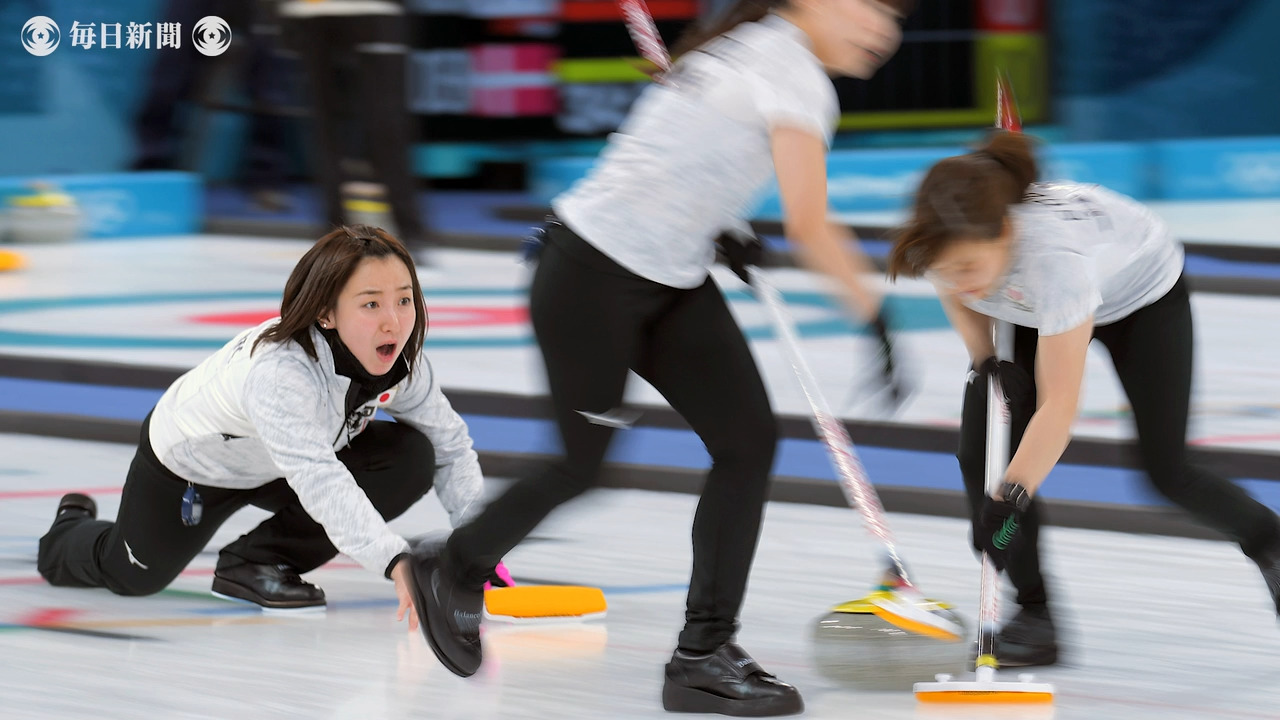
(313,286)
(744,11)
(964,196)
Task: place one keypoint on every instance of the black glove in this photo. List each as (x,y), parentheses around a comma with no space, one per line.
(889,381)
(887,360)
(999,523)
(741,249)
(1018,385)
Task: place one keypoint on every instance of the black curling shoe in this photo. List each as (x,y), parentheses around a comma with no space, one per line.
(727,681)
(449,613)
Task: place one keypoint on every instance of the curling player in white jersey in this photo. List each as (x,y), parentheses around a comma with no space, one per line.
(623,284)
(282,418)
(1064,263)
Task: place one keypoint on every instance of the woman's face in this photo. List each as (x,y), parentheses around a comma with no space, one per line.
(969,268)
(375,313)
(853,37)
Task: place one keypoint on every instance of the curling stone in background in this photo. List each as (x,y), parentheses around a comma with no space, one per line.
(854,647)
(45,214)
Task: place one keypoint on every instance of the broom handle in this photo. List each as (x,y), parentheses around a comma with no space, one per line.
(858,490)
(998,427)
(644,33)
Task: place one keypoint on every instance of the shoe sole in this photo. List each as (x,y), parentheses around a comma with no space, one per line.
(678,698)
(229,590)
(421,569)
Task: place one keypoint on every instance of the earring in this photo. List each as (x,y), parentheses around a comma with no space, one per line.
(324,325)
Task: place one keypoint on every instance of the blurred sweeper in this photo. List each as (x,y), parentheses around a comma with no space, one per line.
(623,284)
(1064,263)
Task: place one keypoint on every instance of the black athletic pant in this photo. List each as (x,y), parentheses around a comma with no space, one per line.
(594,321)
(1152,353)
(147,545)
(156,127)
(378,43)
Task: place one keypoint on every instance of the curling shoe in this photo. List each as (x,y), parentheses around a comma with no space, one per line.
(273,587)
(449,612)
(727,681)
(1028,640)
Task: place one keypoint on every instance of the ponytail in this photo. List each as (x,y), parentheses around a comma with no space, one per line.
(1012,152)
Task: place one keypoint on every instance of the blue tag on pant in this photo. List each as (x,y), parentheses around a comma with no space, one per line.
(531,245)
(192,506)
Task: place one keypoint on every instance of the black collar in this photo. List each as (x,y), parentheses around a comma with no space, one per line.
(364,386)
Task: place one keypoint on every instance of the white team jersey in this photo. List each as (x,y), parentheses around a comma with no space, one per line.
(693,156)
(240,420)
(1081,251)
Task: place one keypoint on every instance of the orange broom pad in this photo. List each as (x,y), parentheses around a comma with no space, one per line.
(986,696)
(530,602)
(10,260)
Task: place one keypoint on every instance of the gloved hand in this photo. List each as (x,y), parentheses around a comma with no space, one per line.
(889,381)
(1018,385)
(887,360)
(500,578)
(999,522)
(741,249)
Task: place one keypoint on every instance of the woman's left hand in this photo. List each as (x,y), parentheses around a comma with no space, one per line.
(997,530)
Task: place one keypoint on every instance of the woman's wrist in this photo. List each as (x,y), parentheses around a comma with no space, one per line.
(1015,493)
(392,565)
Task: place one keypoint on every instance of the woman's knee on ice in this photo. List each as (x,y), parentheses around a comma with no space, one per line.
(139,583)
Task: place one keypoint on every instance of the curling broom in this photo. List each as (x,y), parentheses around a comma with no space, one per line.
(983,686)
(896,599)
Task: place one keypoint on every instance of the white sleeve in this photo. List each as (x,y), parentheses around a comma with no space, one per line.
(803,99)
(421,404)
(283,398)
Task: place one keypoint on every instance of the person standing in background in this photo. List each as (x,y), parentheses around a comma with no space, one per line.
(159,135)
(375,32)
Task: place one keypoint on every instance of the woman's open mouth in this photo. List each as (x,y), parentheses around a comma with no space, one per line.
(387,351)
